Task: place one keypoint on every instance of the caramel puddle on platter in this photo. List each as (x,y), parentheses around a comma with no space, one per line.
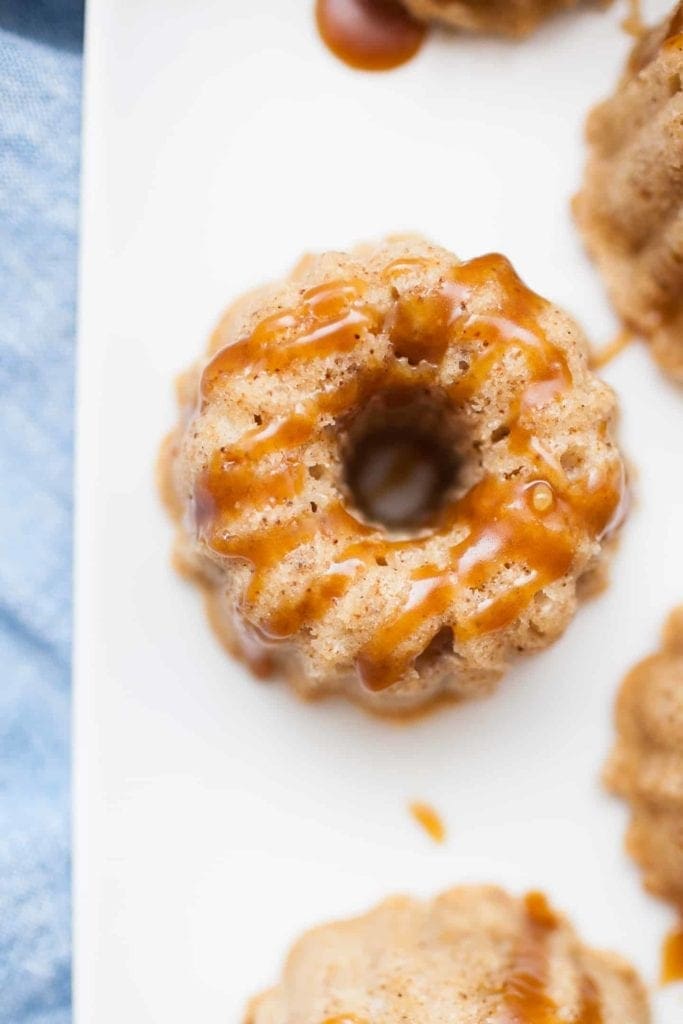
(370,35)
(429,819)
(603,356)
(672,957)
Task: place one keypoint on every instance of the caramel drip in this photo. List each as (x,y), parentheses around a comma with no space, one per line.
(234,486)
(316,600)
(266,547)
(672,957)
(405,264)
(529,521)
(603,356)
(331,319)
(633,23)
(525,991)
(346,1018)
(370,35)
(420,324)
(502,528)
(590,1011)
(429,819)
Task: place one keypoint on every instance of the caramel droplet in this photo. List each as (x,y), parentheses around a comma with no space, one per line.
(371,35)
(542,497)
(526,993)
(430,820)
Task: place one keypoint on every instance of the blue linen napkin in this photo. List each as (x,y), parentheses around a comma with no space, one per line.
(40,83)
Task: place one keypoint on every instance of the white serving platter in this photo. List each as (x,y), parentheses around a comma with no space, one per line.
(216,817)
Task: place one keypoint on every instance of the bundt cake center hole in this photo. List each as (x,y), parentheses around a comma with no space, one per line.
(400,465)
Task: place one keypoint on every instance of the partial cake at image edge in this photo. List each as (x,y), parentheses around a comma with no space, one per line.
(473,955)
(646,765)
(630,208)
(516,18)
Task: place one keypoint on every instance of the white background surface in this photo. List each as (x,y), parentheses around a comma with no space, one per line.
(216,816)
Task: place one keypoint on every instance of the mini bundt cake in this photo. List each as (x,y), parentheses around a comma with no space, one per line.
(504,17)
(646,766)
(630,209)
(488,387)
(473,955)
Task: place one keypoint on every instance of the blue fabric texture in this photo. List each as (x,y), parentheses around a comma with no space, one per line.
(40,92)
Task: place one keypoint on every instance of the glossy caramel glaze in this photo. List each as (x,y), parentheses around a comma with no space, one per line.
(672,957)
(633,22)
(525,992)
(371,35)
(532,518)
(429,819)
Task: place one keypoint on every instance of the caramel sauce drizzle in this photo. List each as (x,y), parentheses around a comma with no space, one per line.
(331,320)
(370,35)
(672,957)
(525,992)
(533,519)
(633,23)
